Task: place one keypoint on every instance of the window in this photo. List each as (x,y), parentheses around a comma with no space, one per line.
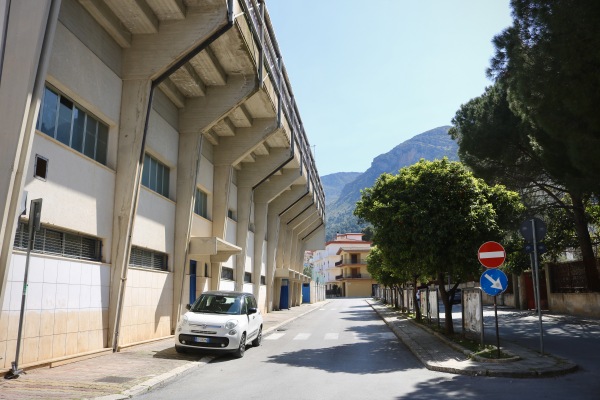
(65,121)
(60,243)
(40,169)
(227,273)
(231,214)
(247,277)
(263,280)
(201,204)
(145,258)
(155,175)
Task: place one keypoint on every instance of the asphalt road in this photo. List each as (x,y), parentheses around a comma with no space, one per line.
(344,351)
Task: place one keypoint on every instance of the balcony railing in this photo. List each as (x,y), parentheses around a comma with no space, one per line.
(352,276)
(349,261)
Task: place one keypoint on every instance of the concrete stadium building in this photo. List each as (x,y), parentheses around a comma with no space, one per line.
(164,142)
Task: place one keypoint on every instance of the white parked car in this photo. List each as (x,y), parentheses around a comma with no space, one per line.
(220,321)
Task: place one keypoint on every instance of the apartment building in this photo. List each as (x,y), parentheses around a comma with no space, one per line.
(342,266)
(169,156)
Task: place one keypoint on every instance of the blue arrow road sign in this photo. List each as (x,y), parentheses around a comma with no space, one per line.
(493,282)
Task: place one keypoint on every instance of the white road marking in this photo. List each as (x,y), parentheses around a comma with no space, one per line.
(274,336)
(302,336)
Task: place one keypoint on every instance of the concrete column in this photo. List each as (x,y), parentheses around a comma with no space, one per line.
(250,176)
(263,195)
(134,106)
(26,44)
(188,160)
(260,231)
(276,207)
(244,208)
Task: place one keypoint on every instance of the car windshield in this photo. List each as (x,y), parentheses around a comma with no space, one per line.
(217,304)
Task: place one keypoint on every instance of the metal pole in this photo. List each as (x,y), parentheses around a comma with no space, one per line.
(34,220)
(497,330)
(537,284)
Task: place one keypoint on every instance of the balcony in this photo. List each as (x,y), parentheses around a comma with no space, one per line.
(349,261)
(352,276)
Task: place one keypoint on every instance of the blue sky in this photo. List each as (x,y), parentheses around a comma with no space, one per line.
(369,74)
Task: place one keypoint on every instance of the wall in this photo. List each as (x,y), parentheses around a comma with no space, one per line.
(148,305)
(66,309)
(580,304)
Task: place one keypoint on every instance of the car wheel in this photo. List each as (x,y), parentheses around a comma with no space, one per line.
(258,339)
(180,349)
(239,353)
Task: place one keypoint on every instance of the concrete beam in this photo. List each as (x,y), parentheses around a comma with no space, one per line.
(151,55)
(272,188)
(253,173)
(201,113)
(109,21)
(232,150)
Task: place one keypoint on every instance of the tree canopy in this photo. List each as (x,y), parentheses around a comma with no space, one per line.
(430,219)
(549,61)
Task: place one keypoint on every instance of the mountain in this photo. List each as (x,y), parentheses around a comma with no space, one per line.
(430,145)
(334,183)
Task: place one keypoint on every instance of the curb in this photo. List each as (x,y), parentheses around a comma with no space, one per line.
(157,381)
(475,368)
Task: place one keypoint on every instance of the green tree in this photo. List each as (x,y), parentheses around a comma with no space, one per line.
(499,146)
(431,218)
(549,61)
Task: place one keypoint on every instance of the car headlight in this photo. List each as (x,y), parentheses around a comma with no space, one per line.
(232,323)
(183,322)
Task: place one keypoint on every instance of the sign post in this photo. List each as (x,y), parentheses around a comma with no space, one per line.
(534,230)
(493,281)
(35,212)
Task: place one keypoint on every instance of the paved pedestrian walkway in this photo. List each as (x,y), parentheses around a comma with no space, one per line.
(125,374)
(440,354)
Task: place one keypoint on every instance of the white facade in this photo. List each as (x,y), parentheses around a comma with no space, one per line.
(334,265)
(162,152)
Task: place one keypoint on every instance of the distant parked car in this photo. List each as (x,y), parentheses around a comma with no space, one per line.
(220,321)
(457,298)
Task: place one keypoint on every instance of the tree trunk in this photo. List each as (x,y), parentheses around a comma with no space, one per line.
(585,242)
(448,326)
(415,300)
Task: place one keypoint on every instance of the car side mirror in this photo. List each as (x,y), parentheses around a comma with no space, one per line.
(188,306)
(252,310)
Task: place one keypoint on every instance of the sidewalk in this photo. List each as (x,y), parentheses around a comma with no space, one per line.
(124,374)
(440,354)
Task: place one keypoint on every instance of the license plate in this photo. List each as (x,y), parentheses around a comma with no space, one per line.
(201,339)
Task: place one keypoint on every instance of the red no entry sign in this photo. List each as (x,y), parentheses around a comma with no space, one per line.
(491,254)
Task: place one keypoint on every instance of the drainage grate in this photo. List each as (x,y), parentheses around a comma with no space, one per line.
(114,379)
(281,330)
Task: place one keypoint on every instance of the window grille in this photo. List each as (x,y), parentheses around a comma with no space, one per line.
(155,175)
(144,258)
(227,273)
(65,121)
(60,243)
